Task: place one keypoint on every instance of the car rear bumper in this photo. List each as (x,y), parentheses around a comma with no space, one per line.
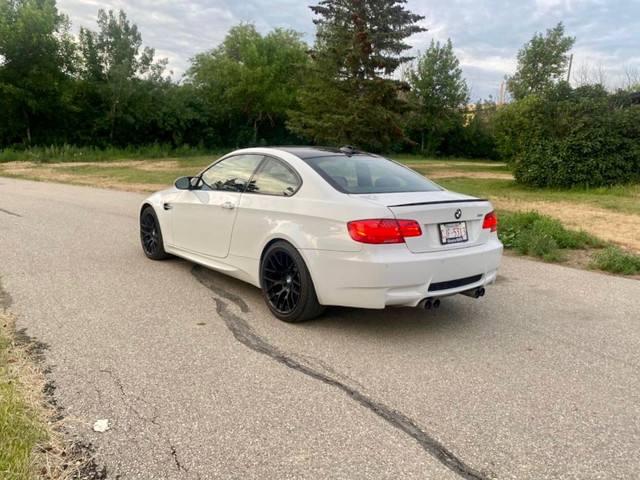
(385,275)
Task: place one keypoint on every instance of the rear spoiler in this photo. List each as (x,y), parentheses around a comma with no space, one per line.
(439,202)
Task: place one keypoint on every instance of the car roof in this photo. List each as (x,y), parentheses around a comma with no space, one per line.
(312,152)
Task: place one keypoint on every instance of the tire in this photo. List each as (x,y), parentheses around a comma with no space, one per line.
(151,235)
(287,287)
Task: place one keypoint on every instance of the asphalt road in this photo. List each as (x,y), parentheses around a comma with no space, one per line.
(540,379)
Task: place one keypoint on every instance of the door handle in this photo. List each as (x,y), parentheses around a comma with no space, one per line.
(167,206)
(228,205)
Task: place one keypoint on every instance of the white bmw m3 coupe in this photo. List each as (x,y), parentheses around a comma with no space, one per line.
(321,226)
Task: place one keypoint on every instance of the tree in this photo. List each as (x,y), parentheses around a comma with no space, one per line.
(542,62)
(112,62)
(250,81)
(36,55)
(438,92)
(349,96)
(474,137)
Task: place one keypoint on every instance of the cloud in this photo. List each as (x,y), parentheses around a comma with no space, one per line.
(486,34)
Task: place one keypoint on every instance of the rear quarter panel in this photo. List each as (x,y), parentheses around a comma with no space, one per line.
(303,222)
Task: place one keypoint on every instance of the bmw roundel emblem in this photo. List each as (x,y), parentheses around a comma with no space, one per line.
(458,214)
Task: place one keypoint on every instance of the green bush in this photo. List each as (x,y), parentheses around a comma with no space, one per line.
(614,260)
(473,137)
(570,137)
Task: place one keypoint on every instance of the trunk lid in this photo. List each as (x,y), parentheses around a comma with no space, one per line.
(449,220)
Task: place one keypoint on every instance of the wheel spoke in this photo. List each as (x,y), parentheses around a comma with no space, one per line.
(149,233)
(282,281)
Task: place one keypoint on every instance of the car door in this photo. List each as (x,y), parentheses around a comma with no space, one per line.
(202,218)
(265,206)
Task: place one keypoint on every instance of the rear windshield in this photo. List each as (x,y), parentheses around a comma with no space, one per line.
(368,174)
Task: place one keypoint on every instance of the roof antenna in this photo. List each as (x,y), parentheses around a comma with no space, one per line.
(348,150)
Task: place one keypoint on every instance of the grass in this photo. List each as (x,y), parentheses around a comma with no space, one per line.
(190,160)
(31,445)
(529,233)
(541,236)
(614,260)
(622,199)
(414,159)
(153,167)
(20,426)
(129,172)
(132,174)
(69,153)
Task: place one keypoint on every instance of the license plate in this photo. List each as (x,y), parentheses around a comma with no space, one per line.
(454,232)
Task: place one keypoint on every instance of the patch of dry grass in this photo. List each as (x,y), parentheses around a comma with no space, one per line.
(619,228)
(32,444)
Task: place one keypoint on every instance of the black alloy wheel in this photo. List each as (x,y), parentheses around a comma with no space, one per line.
(151,235)
(287,286)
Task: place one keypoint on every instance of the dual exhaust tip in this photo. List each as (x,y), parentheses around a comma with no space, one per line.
(429,303)
(474,293)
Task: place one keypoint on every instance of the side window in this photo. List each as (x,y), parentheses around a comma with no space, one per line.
(231,174)
(275,178)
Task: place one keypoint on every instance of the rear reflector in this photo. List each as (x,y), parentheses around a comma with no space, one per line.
(383,230)
(490,221)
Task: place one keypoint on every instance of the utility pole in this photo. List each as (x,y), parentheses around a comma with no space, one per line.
(501,98)
(569,71)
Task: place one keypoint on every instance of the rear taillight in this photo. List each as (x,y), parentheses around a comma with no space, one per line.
(490,221)
(383,230)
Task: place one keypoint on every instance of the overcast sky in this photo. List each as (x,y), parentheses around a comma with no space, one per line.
(486,34)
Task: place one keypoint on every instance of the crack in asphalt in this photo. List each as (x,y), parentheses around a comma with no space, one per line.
(125,397)
(153,420)
(244,334)
(174,454)
(10,213)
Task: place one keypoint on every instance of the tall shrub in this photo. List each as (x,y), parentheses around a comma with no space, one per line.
(570,137)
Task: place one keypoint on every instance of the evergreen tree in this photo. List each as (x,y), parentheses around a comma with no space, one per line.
(438,92)
(542,62)
(349,96)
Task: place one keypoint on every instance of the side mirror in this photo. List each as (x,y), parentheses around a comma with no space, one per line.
(183,183)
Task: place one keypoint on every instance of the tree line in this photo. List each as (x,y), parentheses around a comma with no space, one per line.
(104,88)
(355,85)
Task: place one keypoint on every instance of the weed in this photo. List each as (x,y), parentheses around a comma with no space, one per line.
(530,233)
(613,259)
